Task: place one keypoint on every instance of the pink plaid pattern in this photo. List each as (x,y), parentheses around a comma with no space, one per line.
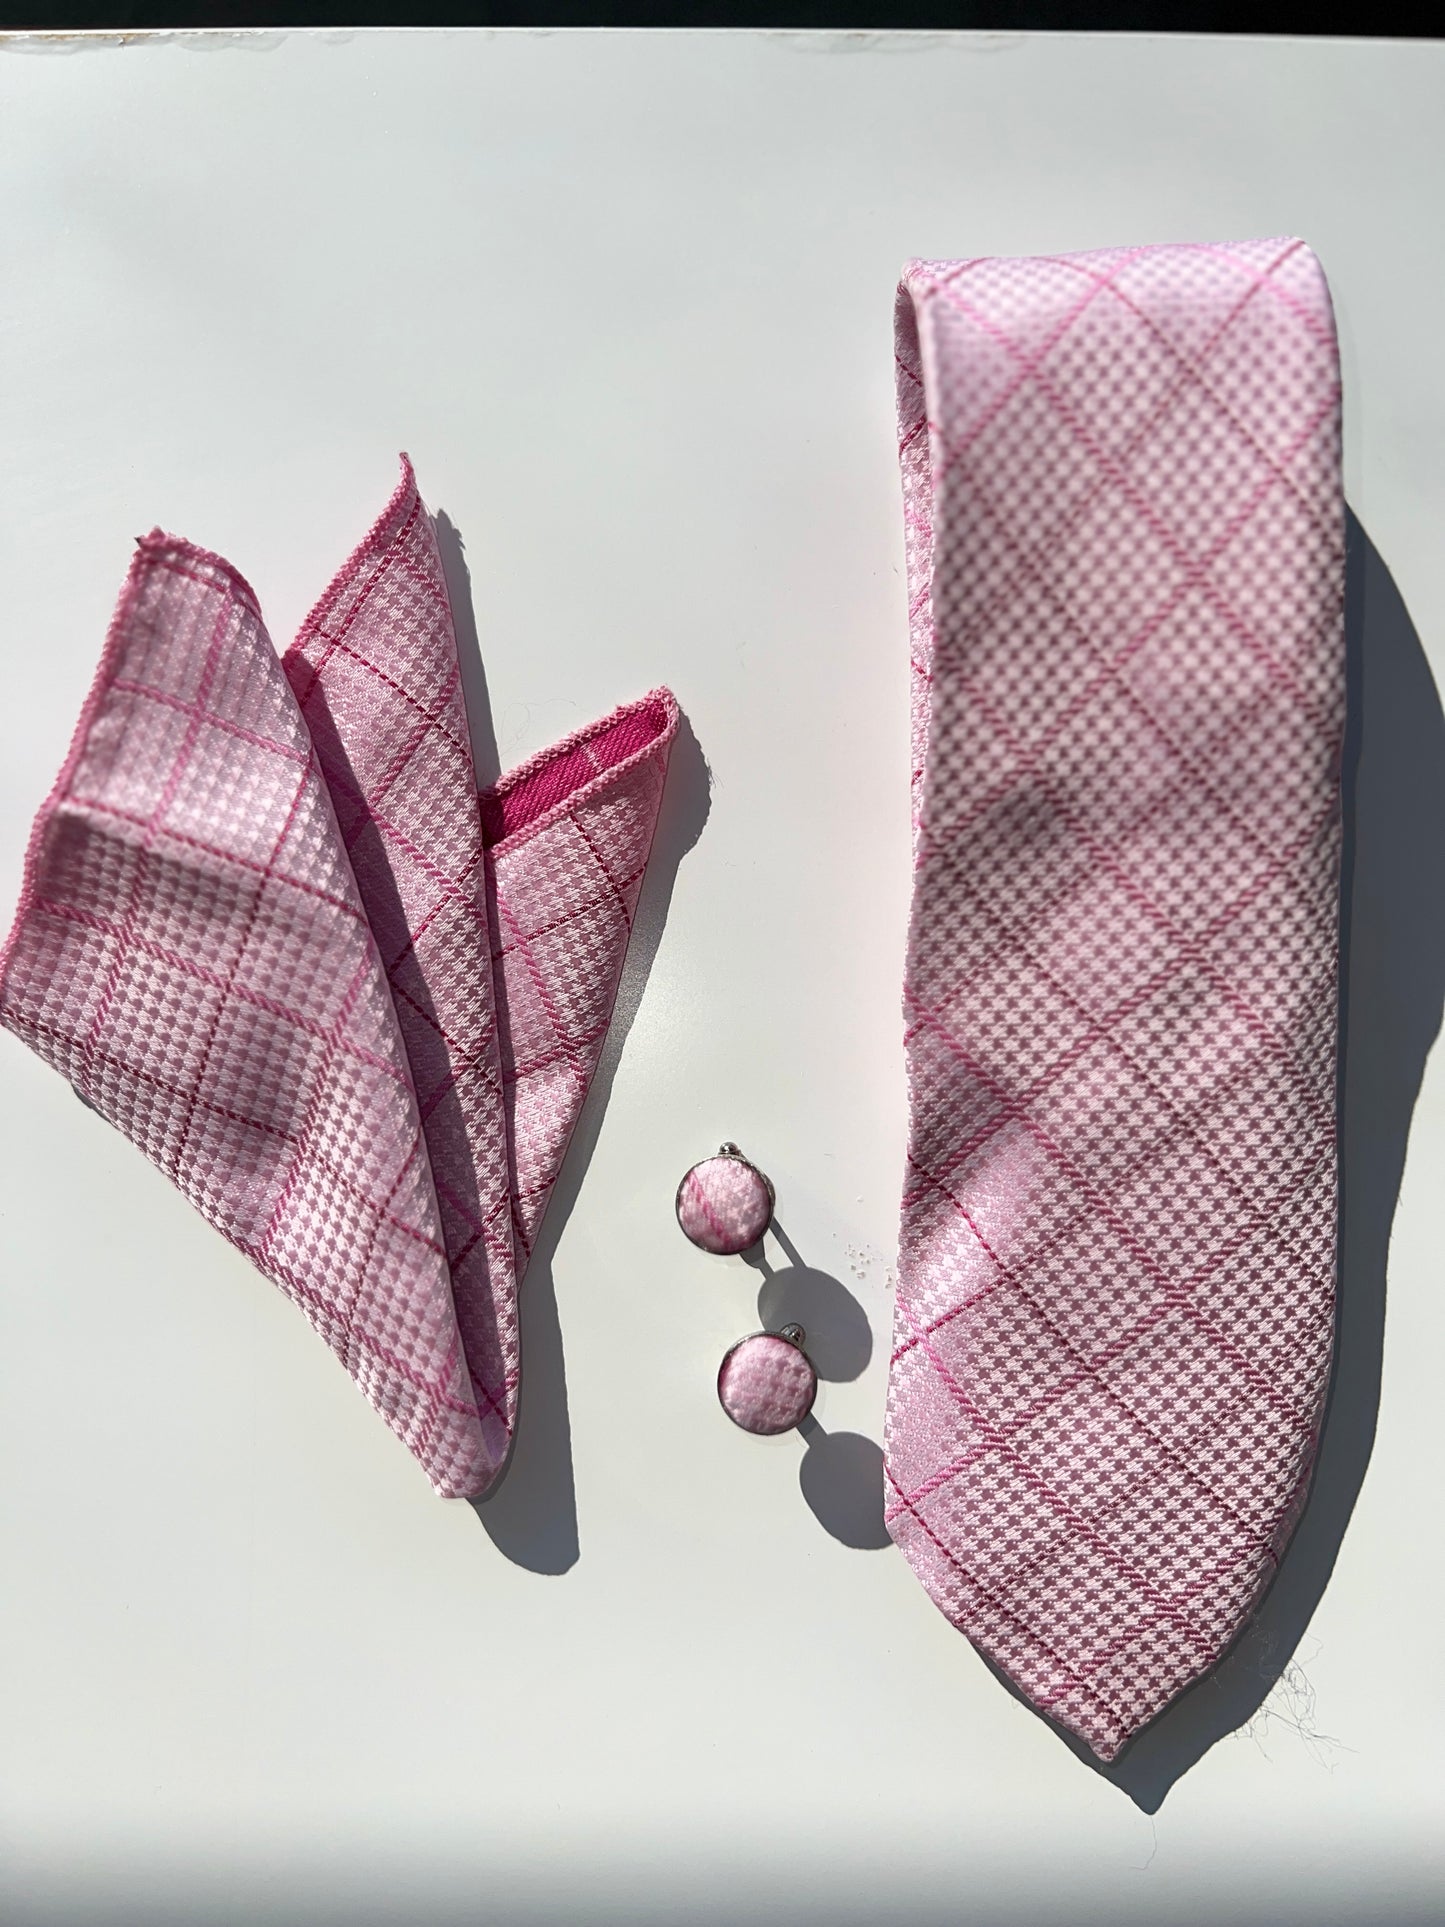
(1115,1312)
(269,931)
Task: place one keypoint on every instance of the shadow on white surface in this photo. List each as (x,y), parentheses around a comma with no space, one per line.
(841,1473)
(531,1518)
(1392,986)
(840,1338)
(841,1478)
(573,1881)
(453,551)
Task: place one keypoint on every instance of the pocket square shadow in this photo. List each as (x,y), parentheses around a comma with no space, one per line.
(531,1516)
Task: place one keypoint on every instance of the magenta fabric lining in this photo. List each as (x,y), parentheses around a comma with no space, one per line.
(539,786)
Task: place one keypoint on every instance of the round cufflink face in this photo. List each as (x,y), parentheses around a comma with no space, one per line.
(766,1383)
(725,1204)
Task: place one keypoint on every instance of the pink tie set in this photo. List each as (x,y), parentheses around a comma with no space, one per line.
(270,930)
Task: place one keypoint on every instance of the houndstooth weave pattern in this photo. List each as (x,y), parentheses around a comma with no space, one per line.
(269,930)
(724,1205)
(1115,1314)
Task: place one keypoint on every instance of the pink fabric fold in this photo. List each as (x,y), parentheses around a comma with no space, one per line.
(269,930)
(1115,1308)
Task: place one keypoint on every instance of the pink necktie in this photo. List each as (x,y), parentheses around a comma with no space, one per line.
(1114,1321)
(269,932)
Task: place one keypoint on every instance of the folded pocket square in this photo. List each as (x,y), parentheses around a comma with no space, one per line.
(270,931)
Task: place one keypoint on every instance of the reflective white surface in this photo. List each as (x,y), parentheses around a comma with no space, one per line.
(626,300)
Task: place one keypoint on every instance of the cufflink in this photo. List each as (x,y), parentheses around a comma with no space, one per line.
(766,1383)
(725,1204)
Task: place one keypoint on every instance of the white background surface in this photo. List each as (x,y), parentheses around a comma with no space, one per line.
(626,300)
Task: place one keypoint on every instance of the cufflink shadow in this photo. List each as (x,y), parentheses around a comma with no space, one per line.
(531,1516)
(840,1339)
(841,1473)
(1392,986)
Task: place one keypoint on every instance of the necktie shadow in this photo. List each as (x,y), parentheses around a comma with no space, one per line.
(531,1518)
(841,1473)
(1392,985)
